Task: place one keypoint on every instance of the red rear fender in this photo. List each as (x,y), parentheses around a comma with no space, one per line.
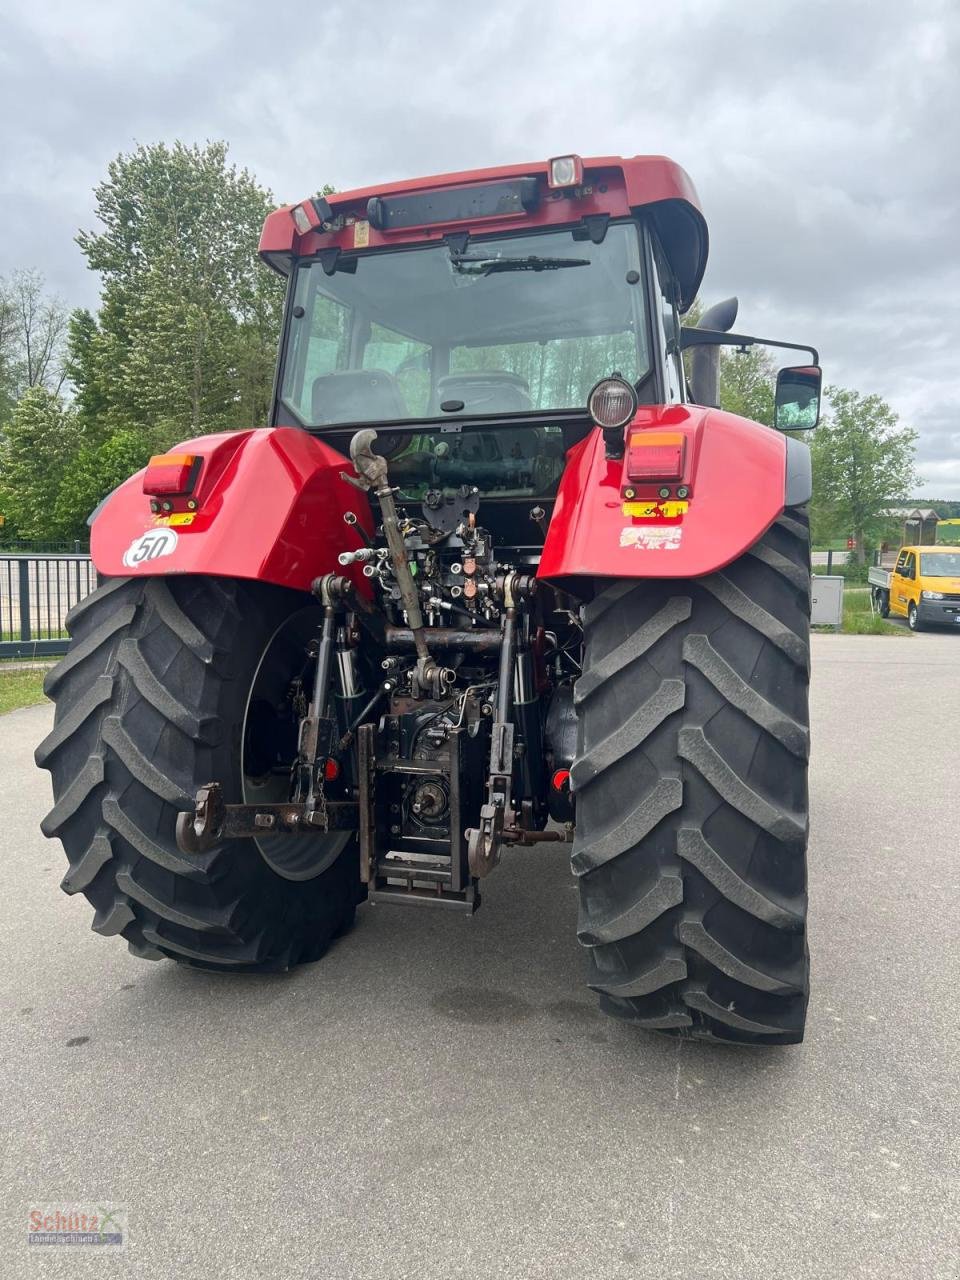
(270,506)
(736,474)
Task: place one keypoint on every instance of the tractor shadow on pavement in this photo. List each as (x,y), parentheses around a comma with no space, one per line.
(509,980)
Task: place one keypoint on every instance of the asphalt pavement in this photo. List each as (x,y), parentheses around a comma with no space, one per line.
(439,1096)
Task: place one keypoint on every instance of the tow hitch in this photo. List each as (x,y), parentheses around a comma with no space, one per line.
(211,820)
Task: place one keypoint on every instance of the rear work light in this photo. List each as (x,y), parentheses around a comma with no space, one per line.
(565,171)
(655,455)
(310,215)
(171,475)
(612,403)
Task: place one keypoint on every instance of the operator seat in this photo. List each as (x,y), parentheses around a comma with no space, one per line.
(357,395)
(485,391)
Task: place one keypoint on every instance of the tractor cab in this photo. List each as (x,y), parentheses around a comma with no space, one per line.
(505,299)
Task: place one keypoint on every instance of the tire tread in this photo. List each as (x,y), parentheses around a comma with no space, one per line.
(690,781)
(139,726)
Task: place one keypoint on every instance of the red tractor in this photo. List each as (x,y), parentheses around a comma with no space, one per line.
(497,573)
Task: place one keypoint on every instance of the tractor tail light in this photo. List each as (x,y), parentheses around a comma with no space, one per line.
(331,769)
(560,780)
(655,455)
(171,474)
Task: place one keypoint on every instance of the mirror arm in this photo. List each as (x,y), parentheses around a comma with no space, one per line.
(691,337)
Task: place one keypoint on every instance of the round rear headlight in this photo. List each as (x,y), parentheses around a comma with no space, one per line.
(612,403)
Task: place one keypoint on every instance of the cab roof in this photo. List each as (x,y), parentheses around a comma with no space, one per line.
(611,185)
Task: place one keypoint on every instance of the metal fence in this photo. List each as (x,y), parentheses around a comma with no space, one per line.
(36,594)
(829,558)
(43,547)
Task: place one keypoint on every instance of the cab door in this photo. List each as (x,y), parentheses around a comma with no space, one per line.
(913,578)
(899,585)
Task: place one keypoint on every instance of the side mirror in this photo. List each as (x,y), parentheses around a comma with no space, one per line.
(798,398)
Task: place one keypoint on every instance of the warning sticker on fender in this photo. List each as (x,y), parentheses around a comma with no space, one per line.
(656,538)
(178,518)
(150,546)
(655,510)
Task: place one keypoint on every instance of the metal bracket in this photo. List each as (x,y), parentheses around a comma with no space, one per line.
(211,820)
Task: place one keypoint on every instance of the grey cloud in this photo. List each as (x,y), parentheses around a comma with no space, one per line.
(821,138)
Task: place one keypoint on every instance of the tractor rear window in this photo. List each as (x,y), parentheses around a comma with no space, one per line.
(514,325)
(520,462)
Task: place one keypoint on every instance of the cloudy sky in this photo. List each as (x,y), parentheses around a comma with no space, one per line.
(819,134)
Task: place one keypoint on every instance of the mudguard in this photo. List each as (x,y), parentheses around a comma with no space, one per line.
(737,474)
(270,506)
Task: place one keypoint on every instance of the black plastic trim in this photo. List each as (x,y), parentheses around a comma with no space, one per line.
(453,204)
(798,483)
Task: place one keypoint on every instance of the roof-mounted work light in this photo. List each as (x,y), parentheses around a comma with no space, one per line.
(310,215)
(565,171)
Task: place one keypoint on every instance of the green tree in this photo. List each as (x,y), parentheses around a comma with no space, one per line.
(8,363)
(33,327)
(40,441)
(95,470)
(747,382)
(186,337)
(85,371)
(862,462)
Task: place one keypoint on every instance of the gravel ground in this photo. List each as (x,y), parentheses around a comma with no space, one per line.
(439,1097)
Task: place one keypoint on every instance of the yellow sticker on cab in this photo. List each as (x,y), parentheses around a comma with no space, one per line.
(361,234)
(655,510)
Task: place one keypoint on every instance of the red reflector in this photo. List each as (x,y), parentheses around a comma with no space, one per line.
(171,473)
(560,779)
(331,770)
(655,456)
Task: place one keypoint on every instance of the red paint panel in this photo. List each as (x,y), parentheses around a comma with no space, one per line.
(271,507)
(737,467)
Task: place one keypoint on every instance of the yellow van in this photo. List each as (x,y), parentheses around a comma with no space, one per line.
(923,587)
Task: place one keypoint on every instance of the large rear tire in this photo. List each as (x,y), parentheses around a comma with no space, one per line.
(691,793)
(151,703)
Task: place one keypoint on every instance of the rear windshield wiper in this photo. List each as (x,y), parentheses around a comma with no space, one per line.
(480,266)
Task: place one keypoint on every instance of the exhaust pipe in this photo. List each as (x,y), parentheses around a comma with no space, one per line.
(705,361)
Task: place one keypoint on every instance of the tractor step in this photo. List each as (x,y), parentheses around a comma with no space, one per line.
(422,879)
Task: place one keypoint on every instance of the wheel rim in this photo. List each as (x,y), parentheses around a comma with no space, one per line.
(912,617)
(269,746)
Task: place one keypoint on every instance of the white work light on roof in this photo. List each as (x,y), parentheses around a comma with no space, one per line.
(301,219)
(311,215)
(565,171)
